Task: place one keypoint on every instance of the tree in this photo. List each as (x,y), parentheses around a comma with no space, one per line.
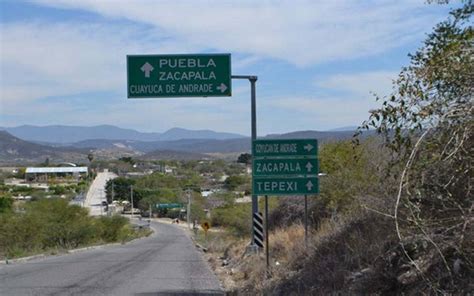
(127,159)
(90,157)
(6,203)
(245,158)
(428,123)
(120,188)
(232,182)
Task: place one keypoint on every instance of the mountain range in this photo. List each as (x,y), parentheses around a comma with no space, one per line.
(200,144)
(61,134)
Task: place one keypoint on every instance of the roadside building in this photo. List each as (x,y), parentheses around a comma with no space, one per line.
(43,174)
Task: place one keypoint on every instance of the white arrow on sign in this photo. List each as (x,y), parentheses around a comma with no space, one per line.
(308,147)
(147,68)
(222,87)
(309,166)
(309,185)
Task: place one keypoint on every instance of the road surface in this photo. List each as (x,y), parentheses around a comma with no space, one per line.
(166,263)
(96,194)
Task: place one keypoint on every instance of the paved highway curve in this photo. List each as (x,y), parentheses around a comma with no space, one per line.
(166,263)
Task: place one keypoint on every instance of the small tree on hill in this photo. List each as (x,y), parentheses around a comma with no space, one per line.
(245,158)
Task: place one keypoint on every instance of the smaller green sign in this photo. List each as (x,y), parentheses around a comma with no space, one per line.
(285,186)
(285,166)
(169,205)
(285,147)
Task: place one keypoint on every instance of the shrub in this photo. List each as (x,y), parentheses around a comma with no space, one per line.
(235,217)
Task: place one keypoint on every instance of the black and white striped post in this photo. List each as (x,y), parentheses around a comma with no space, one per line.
(258,229)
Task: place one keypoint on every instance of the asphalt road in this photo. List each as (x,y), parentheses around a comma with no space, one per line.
(166,263)
(96,194)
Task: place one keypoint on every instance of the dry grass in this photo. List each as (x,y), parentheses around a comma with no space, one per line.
(336,251)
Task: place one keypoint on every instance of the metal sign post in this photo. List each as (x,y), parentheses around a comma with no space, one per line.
(253,103)
(306,220)
(267,248)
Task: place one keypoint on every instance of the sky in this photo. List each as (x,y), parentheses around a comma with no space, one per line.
(319,63)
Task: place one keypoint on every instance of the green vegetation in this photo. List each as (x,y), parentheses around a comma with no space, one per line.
(237,218)
(51,225)
(350,171)
(245,158)
(237,181)
(395,211)
(6,203)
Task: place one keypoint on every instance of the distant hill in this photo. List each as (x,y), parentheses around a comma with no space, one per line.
(198,145)
(352,128)
(107,144)
(181,133)
(60,134)
(174,155)
(238,145)
(15,150)
(321,136)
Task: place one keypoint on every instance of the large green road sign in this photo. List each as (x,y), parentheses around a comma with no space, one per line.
(192,75)
(285,147)
(285,186)
(285,166)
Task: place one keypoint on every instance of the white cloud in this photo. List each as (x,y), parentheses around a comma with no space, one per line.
(40,59)
(300,32)
(44,59)
(346,108)
(359,84)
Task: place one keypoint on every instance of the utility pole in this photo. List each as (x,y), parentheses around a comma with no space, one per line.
(112,189)
(149,214)
(131,198)
(188,212)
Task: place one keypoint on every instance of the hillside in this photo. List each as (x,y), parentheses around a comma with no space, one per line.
(15,150)
(194,145)
(174,155)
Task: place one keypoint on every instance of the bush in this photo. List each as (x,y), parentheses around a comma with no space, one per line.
(51,224)
(233,182)
(235,217)
(111,229)
(6,203)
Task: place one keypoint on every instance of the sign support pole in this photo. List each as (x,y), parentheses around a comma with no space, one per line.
(253,102)
(306,220)
(267,253)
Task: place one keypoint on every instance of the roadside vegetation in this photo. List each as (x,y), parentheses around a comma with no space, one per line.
(52,226)
(395,211)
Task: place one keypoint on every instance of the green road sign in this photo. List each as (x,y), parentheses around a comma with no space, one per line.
(285,147)
(285,186)
(285,166)
(190,75)
(168,205)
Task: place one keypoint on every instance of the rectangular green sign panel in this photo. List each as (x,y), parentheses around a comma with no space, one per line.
(285,186)
(285,147)
(184,75)
(169,205)
(285,166)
